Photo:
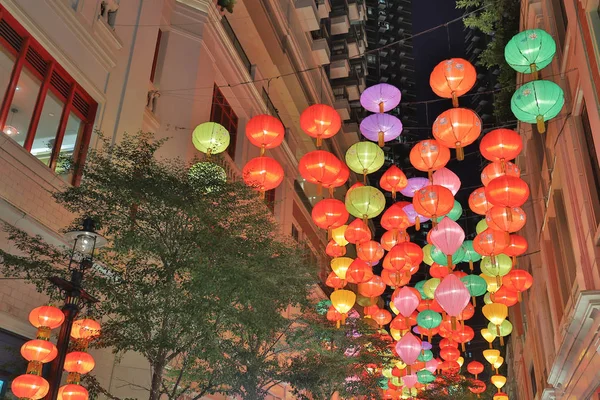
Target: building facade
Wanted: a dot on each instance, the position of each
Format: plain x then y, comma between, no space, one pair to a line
554,349
72,68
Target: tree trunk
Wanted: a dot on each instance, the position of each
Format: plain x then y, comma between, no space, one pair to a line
156,381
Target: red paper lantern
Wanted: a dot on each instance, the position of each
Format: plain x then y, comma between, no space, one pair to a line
333,315
490,242
478,202
382,317
72,392
340,180
475,367
453,78
320,121
496,169
265,131
329,214
335,250
449,353
393,180
438,271
357,232
429,155
478,386
47,317
29,386
39,350
457,128
85,329
433,201
370,251
518,280
389,239
395,218
507,191
505,296
335,281
501,145
506,219
320,167
79,362
395,278
372,288
359,272
262,174
517,246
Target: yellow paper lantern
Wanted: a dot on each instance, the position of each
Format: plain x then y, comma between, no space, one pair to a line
339,235
210,138
495,312
393,308
488,336
499,362
396,334
339,266
491,355
343,301
481,226
497,266
506,329
430,286
365,202
427,254
460,361
492,283
499,381
500,396
365,158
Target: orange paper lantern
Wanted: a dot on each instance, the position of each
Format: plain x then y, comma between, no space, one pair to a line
29,386
393,180
79,362
320,121
496,169
433,201
262,174
329,214
453,78
457,128
429,155
320,167
501,145
478,202
265,131
372,288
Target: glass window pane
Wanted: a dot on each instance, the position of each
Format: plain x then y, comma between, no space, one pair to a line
69,144
7,62
22,106
47,128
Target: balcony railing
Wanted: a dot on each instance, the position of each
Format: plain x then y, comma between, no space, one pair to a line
236,44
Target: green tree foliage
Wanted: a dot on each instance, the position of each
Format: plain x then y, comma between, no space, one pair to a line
197,278
500,20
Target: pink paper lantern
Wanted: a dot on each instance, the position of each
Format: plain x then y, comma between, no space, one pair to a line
406,301
410,380
381,128
432,365
448,179
452,295
380,98
409,348
447,236
413,185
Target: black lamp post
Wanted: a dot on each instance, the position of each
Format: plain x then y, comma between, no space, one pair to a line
85,241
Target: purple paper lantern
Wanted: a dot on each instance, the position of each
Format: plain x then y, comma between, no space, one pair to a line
426,345
381,128
412,214
414,184
380,98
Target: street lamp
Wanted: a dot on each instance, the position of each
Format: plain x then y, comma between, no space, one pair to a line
85,242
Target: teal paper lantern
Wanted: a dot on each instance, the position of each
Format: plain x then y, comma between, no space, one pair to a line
536,102
475,284
429,319
425,376
470,254
419,287
530,51
442,259
454,214
426,355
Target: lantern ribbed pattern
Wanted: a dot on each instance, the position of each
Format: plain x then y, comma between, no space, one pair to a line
497,169
262,173
364,158
79,362
537,102
452,78
39,350
529,51
320,121
29,386
320,167
85,329
433,201
46,316
429,155
380,98
393,180
329,213
265,131
343,300
501,145
381,128
457,128
357,232
210,138
365,202
507,191
72,392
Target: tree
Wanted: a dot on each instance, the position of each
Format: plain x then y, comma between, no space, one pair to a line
196,278
500,20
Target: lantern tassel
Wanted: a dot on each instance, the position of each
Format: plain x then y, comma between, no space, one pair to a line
393,194
541,127
502,165
343,319
534,71
381,107
331,192
208,153
453,323
338,324
519,297
460,153
380,139
498,281
463,346
514,260
262,194
262,150
329,234
430,176
417,223
509,216
319,141
471,265
491,347
365,176
365,219
429,337
449,260
454,100
319,189
474,301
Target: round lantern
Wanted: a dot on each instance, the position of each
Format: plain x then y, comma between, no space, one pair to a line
339,266
343,301
457,128
518,280
507,191
501,145
536,102
265,131
370,251
529,51
365,202
490,243
380,98
29,386
79,362
340,180
448,179
429,155
393,180
413,185
516,247
430,286
478,387
320,121
46,316
453,78
396,220
501,396
320,167
39,350
329,214
72,392
425,377
505,295
475,368
358,232
433,201
364,158
496,169
470,254
476,285
449,353
506,219
506,329
262,174
478,203
372,288
497,266
335,250
382,317
210,138
389,239
381,128
85,329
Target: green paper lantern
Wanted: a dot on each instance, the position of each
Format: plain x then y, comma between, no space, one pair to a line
210,138
395,380
487,299
506,329
387,372
536,102
500,266
427,254
429,319
425,377
481,226
383,383
365,158
426,355
476,285
470,254
442,259
365,202
530,51
454,214
430,286
419,286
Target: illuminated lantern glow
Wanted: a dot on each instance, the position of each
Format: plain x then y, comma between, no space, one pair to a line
335,281
406,301
401,323
499,381
449,354
320,121
470,254
448,179
394,278
452,78
382,317
72,392
85,329
395,218
430,286
478,203
491,355
320,168
340,180
339,266
358,232
439,257
464,335
373,287
490,243
475,368
457,128
393,180
380,98
413,217
38,350
438,271
412,251
433,201
46,316
529,51
536,102
496,313
389,240
335,250
448,236
381,128
501,145
210,138
338,235
506,219
506,329
263,174
497,266
29,386
413,185
517,246
476,285
428,156
425,376
500,396
333,315
343,301
408,348
265,131
453,296
364,158
370,251
478,386
79,362
329,214
496,169
365,202
359,272
488,336
518,280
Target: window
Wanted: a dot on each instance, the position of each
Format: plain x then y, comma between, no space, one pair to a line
155,59
533,382
560,17
43,109
295,233
222,113
270,199
594,177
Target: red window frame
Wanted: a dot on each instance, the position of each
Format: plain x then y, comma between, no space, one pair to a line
155,59
270,199
31,55
222,113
